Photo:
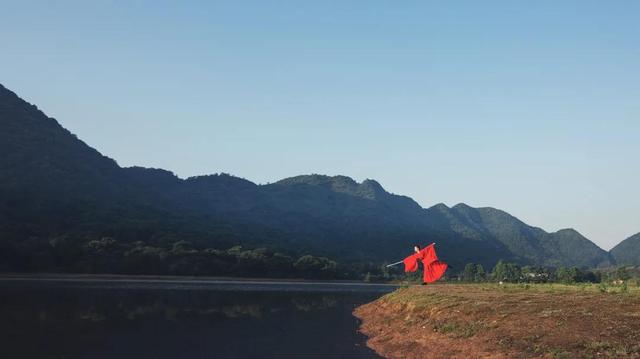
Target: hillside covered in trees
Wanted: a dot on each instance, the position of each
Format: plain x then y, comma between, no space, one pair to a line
66,207
627,252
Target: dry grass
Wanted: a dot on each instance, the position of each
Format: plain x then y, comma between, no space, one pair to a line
491,320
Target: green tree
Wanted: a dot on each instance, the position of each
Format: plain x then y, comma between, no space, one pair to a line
384,271
569,275
315,267
469,274
562,275
481,275
506,272
622,273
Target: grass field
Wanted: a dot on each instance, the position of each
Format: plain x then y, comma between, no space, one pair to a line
505,321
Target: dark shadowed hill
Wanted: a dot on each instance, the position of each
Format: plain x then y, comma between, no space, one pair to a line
61,199
628,251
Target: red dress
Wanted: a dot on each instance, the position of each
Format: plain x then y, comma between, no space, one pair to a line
433,268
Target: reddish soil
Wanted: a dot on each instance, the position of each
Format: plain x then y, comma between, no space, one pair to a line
492,321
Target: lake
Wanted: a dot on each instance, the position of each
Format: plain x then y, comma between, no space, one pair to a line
73,317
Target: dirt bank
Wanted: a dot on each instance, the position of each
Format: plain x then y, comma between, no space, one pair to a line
493,321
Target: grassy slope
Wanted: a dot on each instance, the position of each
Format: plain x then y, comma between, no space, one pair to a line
487,320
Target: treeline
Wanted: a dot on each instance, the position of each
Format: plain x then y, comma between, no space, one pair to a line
107,255
513,273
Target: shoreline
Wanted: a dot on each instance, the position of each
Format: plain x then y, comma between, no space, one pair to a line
189,282
493,321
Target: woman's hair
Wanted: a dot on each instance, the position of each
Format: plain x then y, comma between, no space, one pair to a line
416,246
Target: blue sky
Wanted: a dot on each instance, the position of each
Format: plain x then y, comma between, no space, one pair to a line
531,107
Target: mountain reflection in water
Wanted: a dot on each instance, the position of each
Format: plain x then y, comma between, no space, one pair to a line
75,321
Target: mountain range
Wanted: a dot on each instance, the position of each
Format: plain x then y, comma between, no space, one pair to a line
53,185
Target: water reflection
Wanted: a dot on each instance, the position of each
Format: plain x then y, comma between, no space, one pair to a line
80,322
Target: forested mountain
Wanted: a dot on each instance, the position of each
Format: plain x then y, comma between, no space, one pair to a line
628,251
529,244
64,206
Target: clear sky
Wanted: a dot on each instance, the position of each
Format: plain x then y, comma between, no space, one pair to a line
531,107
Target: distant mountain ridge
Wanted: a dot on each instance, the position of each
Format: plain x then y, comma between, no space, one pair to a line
627,252
52,184
532,244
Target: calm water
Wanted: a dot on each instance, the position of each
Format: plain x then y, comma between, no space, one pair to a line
93,318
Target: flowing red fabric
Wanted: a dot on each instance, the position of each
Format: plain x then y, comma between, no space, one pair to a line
411,263
434,271
433,268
